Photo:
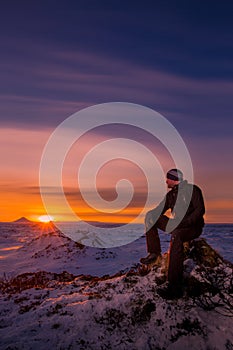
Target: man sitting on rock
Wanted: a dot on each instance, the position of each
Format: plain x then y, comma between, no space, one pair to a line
187,207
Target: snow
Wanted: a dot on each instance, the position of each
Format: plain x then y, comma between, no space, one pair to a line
45,248
43,307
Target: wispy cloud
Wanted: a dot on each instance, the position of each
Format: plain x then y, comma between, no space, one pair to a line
176,60
64,81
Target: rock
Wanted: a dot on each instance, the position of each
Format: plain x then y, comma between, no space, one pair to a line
204,254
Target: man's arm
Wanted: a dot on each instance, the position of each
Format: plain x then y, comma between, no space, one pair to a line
198,209
153,215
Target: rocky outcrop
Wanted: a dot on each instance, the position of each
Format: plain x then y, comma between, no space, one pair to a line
124,311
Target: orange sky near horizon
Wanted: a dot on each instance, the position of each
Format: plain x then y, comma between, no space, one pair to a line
21,152
20,193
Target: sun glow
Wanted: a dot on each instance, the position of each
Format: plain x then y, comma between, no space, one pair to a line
45,218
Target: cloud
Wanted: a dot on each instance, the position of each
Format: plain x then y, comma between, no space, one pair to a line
65,81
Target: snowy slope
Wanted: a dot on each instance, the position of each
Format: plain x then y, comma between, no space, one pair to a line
50,298
47,310
43,247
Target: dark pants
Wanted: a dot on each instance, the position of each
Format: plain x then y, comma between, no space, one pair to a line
178,236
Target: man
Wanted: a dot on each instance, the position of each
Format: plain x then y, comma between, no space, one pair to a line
187,207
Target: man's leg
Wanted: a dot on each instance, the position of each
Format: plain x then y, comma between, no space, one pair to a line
175,269
152,238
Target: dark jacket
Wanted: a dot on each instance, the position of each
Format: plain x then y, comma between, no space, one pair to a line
186,203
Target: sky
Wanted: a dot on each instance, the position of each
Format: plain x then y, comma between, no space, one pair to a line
58,57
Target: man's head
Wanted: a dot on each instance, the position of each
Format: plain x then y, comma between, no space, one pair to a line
174,177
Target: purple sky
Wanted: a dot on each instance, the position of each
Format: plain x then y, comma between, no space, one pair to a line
176,57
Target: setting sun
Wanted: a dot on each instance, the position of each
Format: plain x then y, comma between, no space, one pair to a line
45,218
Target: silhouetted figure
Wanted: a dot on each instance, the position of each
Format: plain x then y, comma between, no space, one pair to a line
187,209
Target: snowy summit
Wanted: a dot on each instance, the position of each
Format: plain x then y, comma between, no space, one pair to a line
45,309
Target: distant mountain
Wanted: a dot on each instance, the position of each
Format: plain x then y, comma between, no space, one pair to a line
22,220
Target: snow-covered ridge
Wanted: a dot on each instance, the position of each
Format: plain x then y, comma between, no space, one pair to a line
34,247
50,310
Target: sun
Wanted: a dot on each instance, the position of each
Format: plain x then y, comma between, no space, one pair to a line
45,218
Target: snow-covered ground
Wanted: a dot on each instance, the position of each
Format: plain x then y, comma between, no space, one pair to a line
34,247
43,307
